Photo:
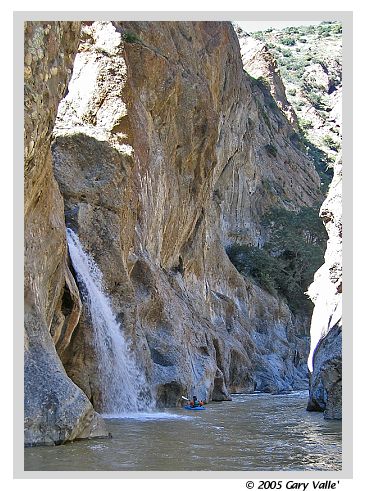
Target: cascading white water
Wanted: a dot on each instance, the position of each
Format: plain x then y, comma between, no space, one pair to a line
122,386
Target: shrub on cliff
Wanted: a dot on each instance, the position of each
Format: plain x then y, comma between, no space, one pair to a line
315,99
333,145
288,41
257,263
305,124
292,254
298,240
130,37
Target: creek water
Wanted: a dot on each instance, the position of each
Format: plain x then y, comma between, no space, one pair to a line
253,432
121,385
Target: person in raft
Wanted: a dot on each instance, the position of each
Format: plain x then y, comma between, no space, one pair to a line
195,402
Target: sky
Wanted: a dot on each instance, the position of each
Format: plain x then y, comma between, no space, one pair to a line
254,25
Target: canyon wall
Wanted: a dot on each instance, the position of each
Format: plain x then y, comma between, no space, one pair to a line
162,155
310,66
309,63
165,153
55,409
259,62
325,360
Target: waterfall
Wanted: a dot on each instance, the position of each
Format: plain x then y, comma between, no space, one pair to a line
122,386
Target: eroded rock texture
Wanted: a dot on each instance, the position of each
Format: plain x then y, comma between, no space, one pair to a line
55,410
260,64
166,152
309,62
325,360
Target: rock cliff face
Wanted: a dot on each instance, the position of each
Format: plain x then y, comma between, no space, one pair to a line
325,360
165,152
162,156
258,62
55,410
309,59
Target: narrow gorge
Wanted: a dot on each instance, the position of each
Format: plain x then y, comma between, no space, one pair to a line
171,228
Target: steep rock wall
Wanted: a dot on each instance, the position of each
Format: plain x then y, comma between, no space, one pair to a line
55,409
309,59
162,156
325,359
260,63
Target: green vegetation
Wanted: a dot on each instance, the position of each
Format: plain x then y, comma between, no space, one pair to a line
326,29
315,99
130,37
333,145
287,53
305,124
288,261
337,29
257,263
258,35
287,41
321,162
295,49
286,46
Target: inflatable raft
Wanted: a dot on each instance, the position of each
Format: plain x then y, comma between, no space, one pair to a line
197,408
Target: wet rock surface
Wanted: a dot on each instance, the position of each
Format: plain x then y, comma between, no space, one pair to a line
56,410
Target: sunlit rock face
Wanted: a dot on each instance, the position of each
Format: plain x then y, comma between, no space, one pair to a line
161,152
260,64
56,410
325,359
308,62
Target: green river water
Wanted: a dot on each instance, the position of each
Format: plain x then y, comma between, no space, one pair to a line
253,432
